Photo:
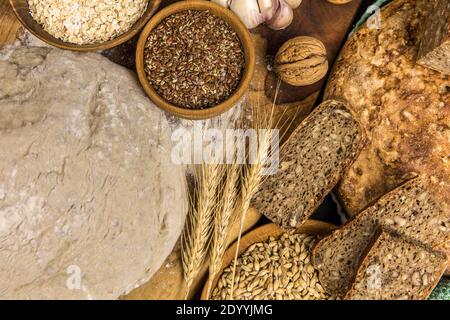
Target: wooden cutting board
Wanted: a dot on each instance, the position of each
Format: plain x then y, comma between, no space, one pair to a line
168,283
9,25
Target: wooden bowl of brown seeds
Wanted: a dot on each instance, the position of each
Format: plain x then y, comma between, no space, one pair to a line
195,59
272,265
48,11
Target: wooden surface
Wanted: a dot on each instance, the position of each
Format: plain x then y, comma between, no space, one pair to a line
168,282
9,25
22,11
330,23
261,234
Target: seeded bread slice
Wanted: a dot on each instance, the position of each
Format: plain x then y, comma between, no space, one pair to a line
395,269
434,43
313,160
410,210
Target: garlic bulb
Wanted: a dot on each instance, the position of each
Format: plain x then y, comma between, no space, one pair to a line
268,8
278,14
282,18
248,11
294,4
223,3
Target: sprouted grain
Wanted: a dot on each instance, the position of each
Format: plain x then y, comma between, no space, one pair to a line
194,59
277,269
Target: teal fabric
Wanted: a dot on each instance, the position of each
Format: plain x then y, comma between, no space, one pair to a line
370,11
442,291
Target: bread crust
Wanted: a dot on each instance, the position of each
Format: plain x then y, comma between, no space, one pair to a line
404,107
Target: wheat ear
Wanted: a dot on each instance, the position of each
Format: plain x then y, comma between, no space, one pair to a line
224,219
252,178
197,233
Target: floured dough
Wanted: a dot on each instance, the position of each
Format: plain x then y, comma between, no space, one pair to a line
87,185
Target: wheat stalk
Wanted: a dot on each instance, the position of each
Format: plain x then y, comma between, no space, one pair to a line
197,236
197,233
224,220
252,178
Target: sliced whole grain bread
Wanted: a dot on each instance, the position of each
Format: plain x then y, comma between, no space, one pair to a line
313,160
395,269
411,210
434,39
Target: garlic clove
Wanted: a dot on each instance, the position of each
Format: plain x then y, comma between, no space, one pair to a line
248,11
282,18
268,8
223,3
294,4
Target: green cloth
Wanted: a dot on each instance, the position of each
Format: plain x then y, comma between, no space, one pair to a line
442,291
370,11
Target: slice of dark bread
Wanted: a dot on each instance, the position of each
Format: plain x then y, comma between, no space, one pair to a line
313,160
411,210
434,38
395,269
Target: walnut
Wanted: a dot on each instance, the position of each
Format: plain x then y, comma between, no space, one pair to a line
301,61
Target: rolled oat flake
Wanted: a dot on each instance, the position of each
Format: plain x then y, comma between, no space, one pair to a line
87,21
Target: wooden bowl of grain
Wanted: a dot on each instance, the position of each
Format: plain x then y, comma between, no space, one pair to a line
262,234
246,46
23,13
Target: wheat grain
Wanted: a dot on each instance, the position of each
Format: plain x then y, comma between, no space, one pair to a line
282,278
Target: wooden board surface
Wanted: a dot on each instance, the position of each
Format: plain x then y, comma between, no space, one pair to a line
320,19
9,25
168,283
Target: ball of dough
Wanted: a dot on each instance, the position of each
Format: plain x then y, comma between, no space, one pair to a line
90,201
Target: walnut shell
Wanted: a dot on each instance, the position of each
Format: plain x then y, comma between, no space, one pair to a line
301,61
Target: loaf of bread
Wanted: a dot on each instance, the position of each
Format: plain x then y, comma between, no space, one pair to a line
404,107
312,162
410,210
395,269
434,40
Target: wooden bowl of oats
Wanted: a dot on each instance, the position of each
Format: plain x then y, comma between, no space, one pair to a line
195,59
255,250
67,25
